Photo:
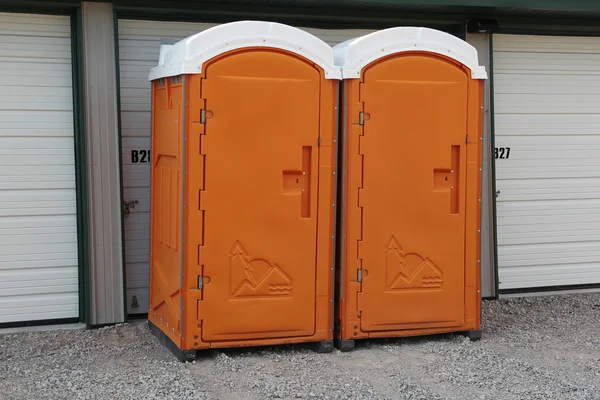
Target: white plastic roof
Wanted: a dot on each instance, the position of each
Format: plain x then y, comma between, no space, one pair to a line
355,54
189,55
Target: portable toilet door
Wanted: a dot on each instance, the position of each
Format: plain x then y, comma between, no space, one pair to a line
243,183
411,156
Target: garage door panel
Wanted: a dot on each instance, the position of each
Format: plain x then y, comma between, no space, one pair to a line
137,234
552,142
38,224
19,124
34,182
531,44
40,262
581,224
41,51
40,249
542,63
558,275
535,154
547,97
48,280
30,209
514,238
22,24
139,279
136,150
136,71
65,170
27,102
51,144
38,307
37,230
40,160
566,219
136,123
136,103
142,50
546,169
544,104
136,179
553,264
540,194
569,127
137,221
138,254
555,253
545,84
133,142
49,70
508,209
558,187
156,30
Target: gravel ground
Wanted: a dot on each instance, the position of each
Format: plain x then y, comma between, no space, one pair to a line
532,348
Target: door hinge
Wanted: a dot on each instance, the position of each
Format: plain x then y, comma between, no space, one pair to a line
319,142
203,280
359,275
363,117
467,139
204,115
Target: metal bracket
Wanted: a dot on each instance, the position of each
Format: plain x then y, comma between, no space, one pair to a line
129,204
201,281
363,117
359,275
204,115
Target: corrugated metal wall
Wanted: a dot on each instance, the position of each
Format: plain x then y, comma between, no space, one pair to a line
481,41
104,173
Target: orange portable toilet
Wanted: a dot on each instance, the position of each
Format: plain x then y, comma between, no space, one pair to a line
411,157
244,124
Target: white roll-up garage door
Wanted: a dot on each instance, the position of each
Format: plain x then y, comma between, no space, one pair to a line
547,130
139,45
38,224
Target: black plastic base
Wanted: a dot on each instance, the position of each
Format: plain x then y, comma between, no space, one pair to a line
473,335
181,355
344,344
324,347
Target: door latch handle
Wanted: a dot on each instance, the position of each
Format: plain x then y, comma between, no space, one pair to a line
129,204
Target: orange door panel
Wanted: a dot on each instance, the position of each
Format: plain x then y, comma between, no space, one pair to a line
412,250
166,203
260,196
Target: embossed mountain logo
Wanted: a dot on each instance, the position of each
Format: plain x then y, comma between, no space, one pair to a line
410,270
256,277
